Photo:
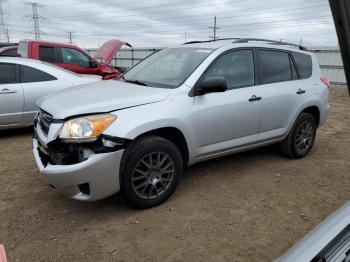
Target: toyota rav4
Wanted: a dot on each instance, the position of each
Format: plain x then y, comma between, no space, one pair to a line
178,107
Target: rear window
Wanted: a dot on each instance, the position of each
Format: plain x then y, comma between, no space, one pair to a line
30,75
274,66
304,64
47,54
22,49
7,73
11,52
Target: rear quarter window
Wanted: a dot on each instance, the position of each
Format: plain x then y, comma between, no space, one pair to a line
304,64
29,75
11,52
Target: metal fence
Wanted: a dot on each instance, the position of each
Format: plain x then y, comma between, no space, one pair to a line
329,58
331,63
128,57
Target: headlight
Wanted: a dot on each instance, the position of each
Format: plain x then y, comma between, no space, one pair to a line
86,128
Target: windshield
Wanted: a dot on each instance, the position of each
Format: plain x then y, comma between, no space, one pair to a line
168,68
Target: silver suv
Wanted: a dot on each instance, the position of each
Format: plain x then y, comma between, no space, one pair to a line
176,108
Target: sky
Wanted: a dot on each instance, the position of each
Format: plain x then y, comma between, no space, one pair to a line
155,23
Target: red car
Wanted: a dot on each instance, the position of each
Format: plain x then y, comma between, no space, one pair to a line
8,51
73,58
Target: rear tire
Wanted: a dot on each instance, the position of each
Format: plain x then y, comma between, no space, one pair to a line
151,171
301,137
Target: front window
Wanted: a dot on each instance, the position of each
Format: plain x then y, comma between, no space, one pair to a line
75,57
236,67
168,68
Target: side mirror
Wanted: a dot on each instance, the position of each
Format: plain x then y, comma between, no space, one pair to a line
213,85
93,64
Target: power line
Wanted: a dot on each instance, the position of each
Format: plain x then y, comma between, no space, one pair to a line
175,11
192,25
35,17
200,19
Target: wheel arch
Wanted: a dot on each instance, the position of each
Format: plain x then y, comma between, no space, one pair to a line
314,111
172,134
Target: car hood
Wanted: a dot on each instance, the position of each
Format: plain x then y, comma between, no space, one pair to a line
99,97
108,50
84,79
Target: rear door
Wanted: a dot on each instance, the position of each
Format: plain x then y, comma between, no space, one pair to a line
281,92
11,95
36,84
48,54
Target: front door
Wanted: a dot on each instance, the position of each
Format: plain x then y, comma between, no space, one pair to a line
228,120
78,62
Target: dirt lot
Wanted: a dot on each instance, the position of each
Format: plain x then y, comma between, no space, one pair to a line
247,207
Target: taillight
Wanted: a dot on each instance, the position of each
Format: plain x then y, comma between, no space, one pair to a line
325,81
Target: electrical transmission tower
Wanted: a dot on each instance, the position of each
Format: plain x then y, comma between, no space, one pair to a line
70,37
4,33
35,17
215,28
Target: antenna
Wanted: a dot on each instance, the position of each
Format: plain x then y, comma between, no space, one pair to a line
35,17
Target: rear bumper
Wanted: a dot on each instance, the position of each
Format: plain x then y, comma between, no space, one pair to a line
324,114
100,172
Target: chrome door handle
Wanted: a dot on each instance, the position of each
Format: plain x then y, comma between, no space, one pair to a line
7,91
300,91
254,98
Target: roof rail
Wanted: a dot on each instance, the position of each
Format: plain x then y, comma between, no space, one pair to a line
212,40
246,40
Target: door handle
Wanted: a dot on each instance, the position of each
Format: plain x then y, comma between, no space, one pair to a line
301,91
7,91
254,98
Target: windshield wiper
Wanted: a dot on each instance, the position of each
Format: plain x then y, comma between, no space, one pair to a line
137,82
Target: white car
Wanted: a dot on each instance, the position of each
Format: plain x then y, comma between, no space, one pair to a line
24,81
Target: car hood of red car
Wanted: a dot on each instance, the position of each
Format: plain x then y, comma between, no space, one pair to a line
108,50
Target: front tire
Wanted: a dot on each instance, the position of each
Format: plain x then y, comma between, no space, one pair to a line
301,138
151,171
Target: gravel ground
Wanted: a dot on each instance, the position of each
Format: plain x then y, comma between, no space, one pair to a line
250,206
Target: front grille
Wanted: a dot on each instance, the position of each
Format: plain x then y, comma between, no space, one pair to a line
44,120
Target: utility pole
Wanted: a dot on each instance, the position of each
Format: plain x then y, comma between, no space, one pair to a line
7,35
185,37
2,21
70,33
214,37
35,17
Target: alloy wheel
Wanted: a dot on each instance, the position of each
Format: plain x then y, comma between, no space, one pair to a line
152,175
304,137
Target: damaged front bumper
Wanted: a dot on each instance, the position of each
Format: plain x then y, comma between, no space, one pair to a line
86,172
